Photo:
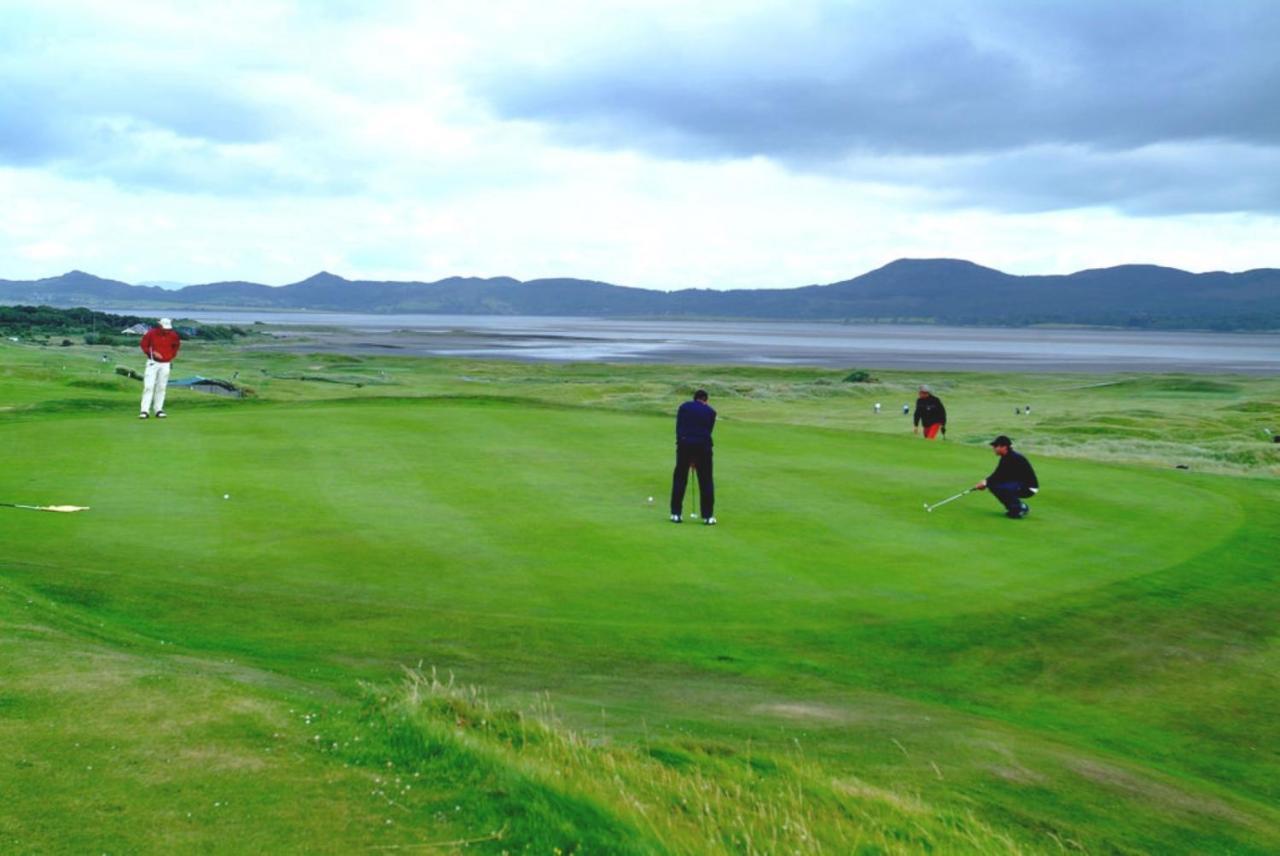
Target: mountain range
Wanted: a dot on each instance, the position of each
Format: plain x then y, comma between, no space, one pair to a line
942,291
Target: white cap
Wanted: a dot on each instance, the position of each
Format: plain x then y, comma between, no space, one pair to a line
166,323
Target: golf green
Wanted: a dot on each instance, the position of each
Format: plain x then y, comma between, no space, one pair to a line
1100,672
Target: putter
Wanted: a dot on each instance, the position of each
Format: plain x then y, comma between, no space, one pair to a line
928,507
63,508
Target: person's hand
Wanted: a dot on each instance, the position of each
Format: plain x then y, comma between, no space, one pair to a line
915,430
982,485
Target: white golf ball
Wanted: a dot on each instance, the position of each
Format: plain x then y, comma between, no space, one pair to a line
651,499
226,496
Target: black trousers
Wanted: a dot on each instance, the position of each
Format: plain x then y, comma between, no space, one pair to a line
699,457
1010,494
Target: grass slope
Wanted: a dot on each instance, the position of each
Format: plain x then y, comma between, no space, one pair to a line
830,669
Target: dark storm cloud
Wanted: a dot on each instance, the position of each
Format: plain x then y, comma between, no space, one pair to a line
835,86
1154,180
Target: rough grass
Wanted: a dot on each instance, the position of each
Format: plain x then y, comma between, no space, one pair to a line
1210,423
548,788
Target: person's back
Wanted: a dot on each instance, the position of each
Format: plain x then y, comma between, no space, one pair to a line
1014,467
694,422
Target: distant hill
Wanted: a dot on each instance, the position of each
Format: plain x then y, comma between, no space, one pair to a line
165,284
943,291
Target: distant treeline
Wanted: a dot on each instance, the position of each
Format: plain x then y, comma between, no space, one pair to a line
96,328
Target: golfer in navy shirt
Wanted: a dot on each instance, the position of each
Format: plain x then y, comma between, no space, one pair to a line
694,422
1013,479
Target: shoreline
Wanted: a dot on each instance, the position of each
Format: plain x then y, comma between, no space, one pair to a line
574,346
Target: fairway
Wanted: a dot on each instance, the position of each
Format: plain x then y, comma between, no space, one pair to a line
1100,674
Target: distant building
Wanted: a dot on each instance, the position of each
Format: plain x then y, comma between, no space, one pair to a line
136,329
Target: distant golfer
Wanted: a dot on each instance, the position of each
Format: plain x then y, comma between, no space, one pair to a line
694,421
161,345
1013,479
930,413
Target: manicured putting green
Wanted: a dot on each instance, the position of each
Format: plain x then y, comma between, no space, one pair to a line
538,516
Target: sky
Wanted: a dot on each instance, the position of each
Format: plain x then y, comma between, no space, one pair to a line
658,144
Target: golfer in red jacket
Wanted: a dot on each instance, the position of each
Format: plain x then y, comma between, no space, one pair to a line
161,345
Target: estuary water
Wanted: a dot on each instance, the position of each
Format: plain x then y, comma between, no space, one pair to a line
765,342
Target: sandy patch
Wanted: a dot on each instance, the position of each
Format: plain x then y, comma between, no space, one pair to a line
805,712
1118,779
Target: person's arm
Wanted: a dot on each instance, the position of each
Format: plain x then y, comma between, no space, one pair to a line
996,475
942,414
982,483
145,343
177,344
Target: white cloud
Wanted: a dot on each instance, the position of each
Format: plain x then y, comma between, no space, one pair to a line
265,140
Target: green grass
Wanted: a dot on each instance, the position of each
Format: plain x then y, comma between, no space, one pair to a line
831,670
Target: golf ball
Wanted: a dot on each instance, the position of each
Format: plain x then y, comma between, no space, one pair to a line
226,496
651,499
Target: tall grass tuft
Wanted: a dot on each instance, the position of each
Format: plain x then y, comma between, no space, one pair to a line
543,782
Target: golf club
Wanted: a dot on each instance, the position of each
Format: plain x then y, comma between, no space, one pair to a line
694,509
63,508
928,507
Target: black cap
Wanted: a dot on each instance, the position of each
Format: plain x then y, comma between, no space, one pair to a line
1001,441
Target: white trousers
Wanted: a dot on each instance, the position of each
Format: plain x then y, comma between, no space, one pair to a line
154,382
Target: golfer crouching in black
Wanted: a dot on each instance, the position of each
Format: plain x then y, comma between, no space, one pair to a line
1013,479
694,421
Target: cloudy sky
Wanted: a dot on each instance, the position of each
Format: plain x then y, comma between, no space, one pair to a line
643,142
